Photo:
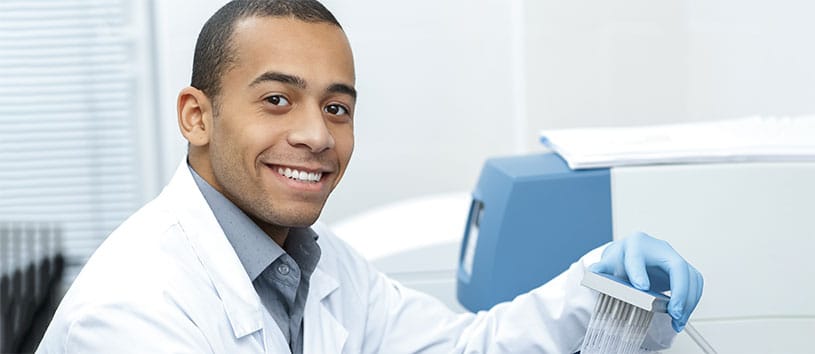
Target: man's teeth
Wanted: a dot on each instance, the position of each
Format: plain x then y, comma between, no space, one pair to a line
300,175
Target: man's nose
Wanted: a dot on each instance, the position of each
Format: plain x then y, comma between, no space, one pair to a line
310,130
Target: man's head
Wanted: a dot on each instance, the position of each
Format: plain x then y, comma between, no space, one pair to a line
272,93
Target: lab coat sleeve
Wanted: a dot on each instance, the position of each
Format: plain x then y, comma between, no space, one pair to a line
120,328
549,319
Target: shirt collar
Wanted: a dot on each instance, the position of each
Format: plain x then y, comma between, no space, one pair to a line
301,244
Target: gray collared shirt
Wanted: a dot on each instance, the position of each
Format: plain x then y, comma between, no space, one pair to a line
280,275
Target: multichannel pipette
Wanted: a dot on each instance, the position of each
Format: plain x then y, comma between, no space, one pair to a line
622,315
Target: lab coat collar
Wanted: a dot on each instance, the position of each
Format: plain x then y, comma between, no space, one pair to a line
241,302
323,332
322,283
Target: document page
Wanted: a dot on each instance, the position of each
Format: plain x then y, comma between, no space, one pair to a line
743,139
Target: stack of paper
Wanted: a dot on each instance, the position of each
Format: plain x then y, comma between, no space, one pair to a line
744,139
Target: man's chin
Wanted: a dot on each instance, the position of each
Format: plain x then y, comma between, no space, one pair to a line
303,224
299,220
291,219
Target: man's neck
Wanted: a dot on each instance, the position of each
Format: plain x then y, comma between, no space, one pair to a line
276,232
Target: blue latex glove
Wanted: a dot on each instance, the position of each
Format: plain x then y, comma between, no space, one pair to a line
649,263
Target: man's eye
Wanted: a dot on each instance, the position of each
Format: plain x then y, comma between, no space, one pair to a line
335,109
277,100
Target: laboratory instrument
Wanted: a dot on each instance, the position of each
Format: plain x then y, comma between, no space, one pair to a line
742,224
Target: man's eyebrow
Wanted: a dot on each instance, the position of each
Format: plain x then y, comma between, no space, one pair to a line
298,82
280,77
343,88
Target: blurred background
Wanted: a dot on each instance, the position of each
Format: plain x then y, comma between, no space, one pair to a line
88,89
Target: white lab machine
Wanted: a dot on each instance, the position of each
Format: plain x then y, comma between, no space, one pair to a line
748,228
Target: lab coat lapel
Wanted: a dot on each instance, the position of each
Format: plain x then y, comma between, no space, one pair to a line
273,339
240,301
323,333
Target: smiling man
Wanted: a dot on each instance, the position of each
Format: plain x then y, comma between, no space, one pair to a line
229,257
277,133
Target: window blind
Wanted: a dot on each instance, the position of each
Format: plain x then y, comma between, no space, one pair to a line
68,118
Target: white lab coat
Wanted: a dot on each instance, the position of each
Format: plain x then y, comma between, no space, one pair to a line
167,280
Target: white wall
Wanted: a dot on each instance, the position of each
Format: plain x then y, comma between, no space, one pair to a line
442,82
596,63
748,57
177,23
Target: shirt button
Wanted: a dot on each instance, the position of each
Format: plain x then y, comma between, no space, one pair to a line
283,269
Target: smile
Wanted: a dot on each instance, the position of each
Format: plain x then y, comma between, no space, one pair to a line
302,176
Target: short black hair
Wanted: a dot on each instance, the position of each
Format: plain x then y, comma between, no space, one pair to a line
214,53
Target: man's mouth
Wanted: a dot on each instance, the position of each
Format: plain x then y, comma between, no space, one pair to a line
299,175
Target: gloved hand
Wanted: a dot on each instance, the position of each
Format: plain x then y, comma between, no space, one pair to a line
649,263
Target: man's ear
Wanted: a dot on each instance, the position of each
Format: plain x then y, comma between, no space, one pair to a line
194,116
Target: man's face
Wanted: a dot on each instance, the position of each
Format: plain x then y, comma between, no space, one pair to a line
283,134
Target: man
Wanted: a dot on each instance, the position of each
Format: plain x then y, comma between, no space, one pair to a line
228,259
